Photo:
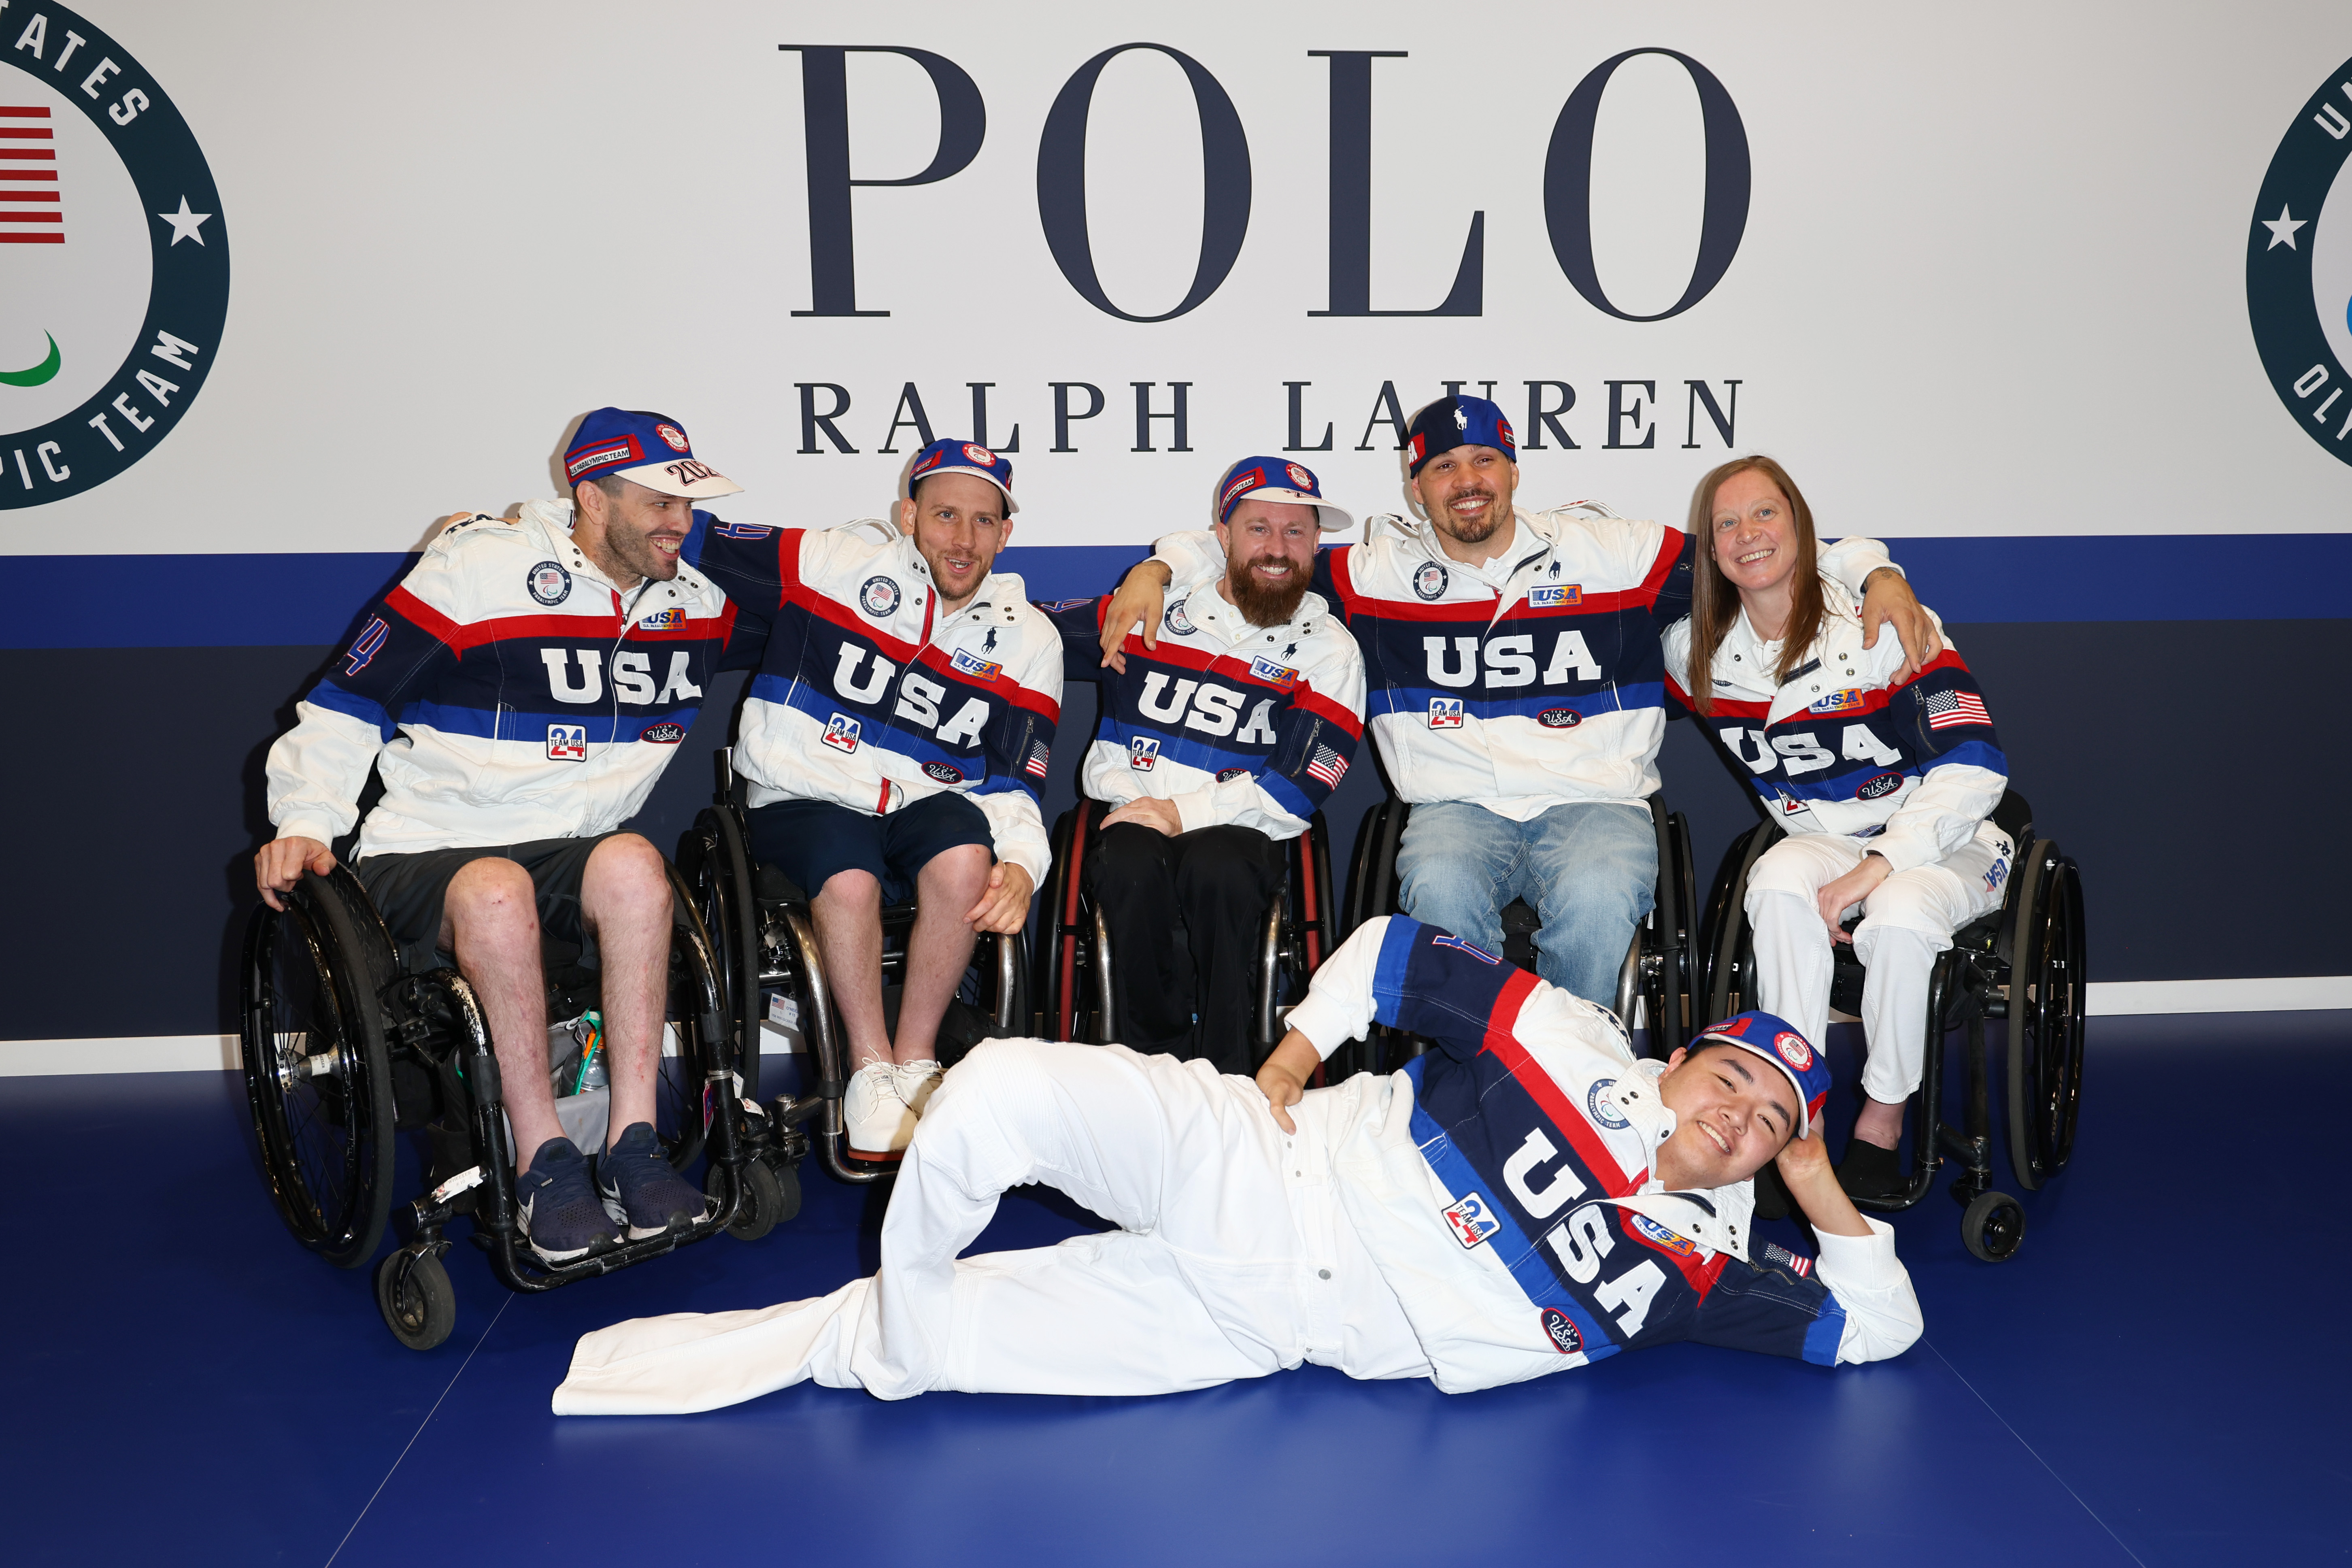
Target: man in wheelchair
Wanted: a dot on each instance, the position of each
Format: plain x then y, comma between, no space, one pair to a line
517,694
1216,747
895,738
1524,1199
1513,662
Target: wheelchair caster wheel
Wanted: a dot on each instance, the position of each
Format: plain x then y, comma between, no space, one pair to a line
1993,1227
768,1199
418,1303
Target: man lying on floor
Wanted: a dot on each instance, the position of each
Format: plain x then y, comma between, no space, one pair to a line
1527,1197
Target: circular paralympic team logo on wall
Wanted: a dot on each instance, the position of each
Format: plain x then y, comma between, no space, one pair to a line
113,258
2299,267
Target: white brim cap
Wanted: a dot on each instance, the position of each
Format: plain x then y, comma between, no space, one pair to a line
683,477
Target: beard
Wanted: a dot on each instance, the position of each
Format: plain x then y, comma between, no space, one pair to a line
1262,606
1471,532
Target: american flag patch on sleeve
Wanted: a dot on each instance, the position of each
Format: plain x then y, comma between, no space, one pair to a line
1328,766
1779,1256
1038,757
1946,709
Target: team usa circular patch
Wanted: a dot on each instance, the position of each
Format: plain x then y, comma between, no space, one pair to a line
979,454
1429,580
548,582
1605,1110
1301,478
117,282
879,595
1793,1050
674,436
2299,267
1177,621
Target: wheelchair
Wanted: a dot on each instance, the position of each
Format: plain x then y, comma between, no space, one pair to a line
1660,971
343,1050
764,942
1074,961
2021,965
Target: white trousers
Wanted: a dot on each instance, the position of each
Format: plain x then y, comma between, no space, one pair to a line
1232,1258
1906,920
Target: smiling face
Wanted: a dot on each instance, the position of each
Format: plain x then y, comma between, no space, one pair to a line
1755,533
632,534
1733,1111
1269,556
959,525
1467,492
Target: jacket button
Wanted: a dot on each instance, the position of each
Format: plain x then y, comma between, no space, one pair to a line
1322,1274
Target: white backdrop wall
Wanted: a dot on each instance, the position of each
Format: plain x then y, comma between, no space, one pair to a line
1992,280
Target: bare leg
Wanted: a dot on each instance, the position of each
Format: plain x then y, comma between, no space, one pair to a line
624,900
939,949
489,919
848,915
1880,1123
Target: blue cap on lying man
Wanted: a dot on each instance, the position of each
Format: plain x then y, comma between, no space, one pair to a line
1277,480
1776,1042
1451,422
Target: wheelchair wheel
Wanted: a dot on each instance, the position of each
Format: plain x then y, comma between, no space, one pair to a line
685,1098
418,1303
716,865
1728,961
1993,1227
2046,999
317,1073
770,1198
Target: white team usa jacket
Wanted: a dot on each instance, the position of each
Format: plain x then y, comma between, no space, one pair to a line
1841,747
1534,682
1502,1184
506,690
865,694
1233,723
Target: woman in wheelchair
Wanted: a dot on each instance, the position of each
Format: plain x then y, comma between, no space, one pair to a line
1883,785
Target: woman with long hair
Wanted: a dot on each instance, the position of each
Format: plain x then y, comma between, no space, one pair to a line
1882,779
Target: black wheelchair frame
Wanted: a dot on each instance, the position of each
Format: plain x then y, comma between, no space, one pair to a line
765,940
2023,966
1659,970
412,1051
1074,961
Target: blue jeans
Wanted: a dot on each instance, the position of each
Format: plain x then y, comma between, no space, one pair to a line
1589,871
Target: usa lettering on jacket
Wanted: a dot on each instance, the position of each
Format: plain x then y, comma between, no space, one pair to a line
865,694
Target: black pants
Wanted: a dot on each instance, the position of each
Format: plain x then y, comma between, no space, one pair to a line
1186,917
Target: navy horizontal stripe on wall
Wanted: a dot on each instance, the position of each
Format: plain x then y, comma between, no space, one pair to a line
309,600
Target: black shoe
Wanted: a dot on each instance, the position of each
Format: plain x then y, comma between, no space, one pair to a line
641,1191
1771,1197
561,1216
1870,1171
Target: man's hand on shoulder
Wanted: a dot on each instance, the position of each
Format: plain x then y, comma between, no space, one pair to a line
1159,816
1003,906
279,864
1887,597
1136,605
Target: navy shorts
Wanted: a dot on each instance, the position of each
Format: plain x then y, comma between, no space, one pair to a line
810,840
408,892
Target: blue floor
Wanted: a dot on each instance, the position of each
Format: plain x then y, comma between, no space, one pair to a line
2140,1385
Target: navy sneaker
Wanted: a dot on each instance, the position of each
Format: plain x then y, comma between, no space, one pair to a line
561,1216
641,1191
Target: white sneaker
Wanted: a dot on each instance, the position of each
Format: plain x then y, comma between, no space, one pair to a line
916,1081
876,1121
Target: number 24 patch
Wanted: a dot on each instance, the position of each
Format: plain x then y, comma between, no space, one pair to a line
1472,1221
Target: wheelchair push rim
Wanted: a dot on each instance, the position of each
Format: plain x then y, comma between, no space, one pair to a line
2046,1007
317,1073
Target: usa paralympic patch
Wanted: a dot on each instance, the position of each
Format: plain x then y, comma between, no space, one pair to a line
1603,1108
878,597
1793,1050
548,582
1177,621
1429,580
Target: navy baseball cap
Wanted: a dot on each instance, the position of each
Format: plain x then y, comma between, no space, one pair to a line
1451,422
1277,480
647,449
952,456
1776,1042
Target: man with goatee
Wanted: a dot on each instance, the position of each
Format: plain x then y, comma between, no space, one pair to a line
1216,746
